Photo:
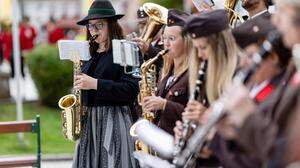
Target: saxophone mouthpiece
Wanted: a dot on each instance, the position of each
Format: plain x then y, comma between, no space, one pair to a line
94,37
163,52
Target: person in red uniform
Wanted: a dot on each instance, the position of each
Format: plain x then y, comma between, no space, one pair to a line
55,32
7,41
27,35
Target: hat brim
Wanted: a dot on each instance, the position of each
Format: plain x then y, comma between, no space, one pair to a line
85,20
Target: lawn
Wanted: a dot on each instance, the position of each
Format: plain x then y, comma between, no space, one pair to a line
53,141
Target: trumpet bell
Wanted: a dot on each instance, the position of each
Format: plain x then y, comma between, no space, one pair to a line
158,16
156,12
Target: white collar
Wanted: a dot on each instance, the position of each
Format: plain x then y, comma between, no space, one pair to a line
258,88
259,13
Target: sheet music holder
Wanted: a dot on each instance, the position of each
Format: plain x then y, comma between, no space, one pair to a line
125,53
74,50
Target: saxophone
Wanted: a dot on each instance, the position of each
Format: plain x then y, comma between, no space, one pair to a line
71,106
147,88
72,110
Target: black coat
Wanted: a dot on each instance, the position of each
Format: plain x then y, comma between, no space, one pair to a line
115,88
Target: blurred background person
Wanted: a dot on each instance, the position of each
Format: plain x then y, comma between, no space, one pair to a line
55,31
256,7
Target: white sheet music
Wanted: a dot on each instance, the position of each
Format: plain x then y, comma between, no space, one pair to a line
117,56
73,50
199,6
125,53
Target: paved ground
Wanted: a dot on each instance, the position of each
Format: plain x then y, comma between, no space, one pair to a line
56,164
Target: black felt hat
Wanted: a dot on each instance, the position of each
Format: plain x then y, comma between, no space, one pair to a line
177,17
100,9
253,31
207,23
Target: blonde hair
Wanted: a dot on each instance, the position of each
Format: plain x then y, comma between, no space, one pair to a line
222,63
168,64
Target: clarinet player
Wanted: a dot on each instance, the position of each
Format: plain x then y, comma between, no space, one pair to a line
215,44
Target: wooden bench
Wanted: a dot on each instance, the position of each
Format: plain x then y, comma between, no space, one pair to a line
32,126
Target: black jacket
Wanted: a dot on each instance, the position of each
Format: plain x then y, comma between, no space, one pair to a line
114,86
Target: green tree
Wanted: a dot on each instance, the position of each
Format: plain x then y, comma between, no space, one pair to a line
53,77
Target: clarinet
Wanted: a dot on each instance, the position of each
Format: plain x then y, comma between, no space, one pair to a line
186,124
196,142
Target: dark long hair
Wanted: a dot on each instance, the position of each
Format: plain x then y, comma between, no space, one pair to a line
115,31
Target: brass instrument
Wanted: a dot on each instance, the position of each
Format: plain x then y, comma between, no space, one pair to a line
71,106
230,5
147,88
158,16
234,16
72,110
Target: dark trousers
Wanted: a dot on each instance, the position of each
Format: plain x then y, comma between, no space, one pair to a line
1,56
12,65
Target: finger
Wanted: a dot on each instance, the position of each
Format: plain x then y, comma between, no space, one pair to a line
194,102
77,82
147,98
178,122
190,118
147,103
178,135
189,108
77,77
78,86
177,131
188,114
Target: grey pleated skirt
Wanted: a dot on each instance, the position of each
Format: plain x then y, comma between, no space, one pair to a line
105,141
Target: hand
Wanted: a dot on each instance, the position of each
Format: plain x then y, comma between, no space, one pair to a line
177,131
85,82
193,111
142,44
153,103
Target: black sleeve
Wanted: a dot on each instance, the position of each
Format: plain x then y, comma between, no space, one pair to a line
123,90
230,155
